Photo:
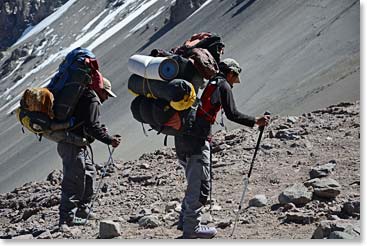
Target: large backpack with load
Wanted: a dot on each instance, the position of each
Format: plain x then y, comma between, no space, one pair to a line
78,71
162,83
47,112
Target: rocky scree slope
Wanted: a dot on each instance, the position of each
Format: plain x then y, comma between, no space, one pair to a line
305,184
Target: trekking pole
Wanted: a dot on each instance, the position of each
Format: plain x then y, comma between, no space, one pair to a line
110,161
246,178
211,178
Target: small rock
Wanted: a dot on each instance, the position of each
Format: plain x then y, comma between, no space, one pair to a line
55,177
351,208
149,221
109,229
144,166
266,146
297,194
323,170
324,187
348,134
300,218
326,227
171,216
28,212
45,235
333,217
157,209
173,205
292,119
125,172
224,223
289,206
140,178
287,134
146,211
230,137
21,237
216,207
340,235
206,218
258,201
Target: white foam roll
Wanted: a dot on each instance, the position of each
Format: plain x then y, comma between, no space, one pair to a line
157,68
145,66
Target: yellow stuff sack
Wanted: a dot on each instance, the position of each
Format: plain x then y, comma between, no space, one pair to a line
35,122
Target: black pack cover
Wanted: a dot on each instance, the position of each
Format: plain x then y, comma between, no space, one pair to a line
157,112
174,90
150,111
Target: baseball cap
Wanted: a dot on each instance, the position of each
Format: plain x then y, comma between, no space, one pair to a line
233,65
107,87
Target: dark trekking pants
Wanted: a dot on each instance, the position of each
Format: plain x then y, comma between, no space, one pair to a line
194,155
78,179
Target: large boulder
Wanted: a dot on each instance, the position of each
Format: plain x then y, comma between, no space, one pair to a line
324,187
297,194
183,9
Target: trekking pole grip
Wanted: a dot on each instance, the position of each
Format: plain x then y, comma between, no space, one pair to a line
261,128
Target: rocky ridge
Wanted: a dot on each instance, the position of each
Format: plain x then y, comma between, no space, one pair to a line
305,184
16,16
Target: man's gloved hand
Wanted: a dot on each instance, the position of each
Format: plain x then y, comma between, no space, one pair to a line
263,120
104,128
116,140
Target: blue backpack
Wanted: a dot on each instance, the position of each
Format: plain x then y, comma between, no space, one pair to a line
74,75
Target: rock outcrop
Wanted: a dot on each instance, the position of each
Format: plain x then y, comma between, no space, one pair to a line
183,9
17,15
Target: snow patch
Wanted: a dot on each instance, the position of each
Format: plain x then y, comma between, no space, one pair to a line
49,31
117,27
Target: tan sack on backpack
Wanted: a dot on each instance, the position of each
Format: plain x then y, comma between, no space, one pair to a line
38,100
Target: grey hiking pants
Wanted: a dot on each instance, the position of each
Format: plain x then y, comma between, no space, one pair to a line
78,179
196,164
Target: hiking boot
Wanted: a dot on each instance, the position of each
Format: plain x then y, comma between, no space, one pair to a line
64,225
64,228
83,213
201,231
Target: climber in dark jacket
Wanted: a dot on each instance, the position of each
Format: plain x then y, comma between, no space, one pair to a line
78,170
193,150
